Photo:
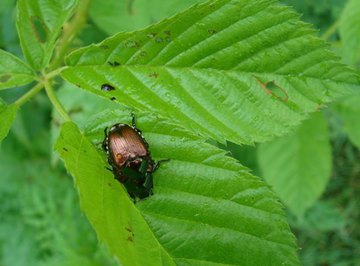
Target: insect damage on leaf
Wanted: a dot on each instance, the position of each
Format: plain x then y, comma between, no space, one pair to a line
39,29
273,89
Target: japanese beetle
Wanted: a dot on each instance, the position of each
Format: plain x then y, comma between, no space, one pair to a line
129,156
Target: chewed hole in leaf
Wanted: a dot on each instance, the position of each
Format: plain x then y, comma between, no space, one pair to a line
153,75
273,89
107,87
132,44
114,63
39,29
159,39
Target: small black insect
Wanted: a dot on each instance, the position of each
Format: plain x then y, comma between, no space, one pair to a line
129,156
107,87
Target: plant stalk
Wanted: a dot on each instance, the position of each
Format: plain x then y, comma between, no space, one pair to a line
55,102
32,92
331,30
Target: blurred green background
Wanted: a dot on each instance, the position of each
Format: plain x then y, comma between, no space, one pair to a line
41,221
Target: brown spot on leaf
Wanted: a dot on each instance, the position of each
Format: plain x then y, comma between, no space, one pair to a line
132,44
131,234
5,78
39,29
319,107
273,89
212,31
153,75
130,7
151,35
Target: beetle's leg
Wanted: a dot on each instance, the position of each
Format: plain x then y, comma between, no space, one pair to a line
133,121
104,143
144,165
108,168
148,183
157,164
133,124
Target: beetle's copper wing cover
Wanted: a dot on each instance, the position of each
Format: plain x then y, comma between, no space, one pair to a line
124,144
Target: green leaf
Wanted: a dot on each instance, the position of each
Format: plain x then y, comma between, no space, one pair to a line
349,110
13,71
206,208
39,23
244,71
298,166
113,16
350,31
110,211
9,40
7,116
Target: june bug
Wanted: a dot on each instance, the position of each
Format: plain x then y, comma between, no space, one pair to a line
129,156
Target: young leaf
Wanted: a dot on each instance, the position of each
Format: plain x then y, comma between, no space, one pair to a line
7,116
13,71
298,166
243,71
39,23
206,208
113,16
350,31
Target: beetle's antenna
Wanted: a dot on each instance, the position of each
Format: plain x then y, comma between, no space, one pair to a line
133,121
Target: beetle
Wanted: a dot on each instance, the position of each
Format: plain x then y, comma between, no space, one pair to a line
129,156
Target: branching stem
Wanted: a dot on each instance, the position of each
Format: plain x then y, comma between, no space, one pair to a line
31,93
45,79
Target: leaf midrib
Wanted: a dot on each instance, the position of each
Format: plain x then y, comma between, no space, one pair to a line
230,71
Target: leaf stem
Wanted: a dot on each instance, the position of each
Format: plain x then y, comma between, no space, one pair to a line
55,102
69,32
54,73
33,91
331,30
